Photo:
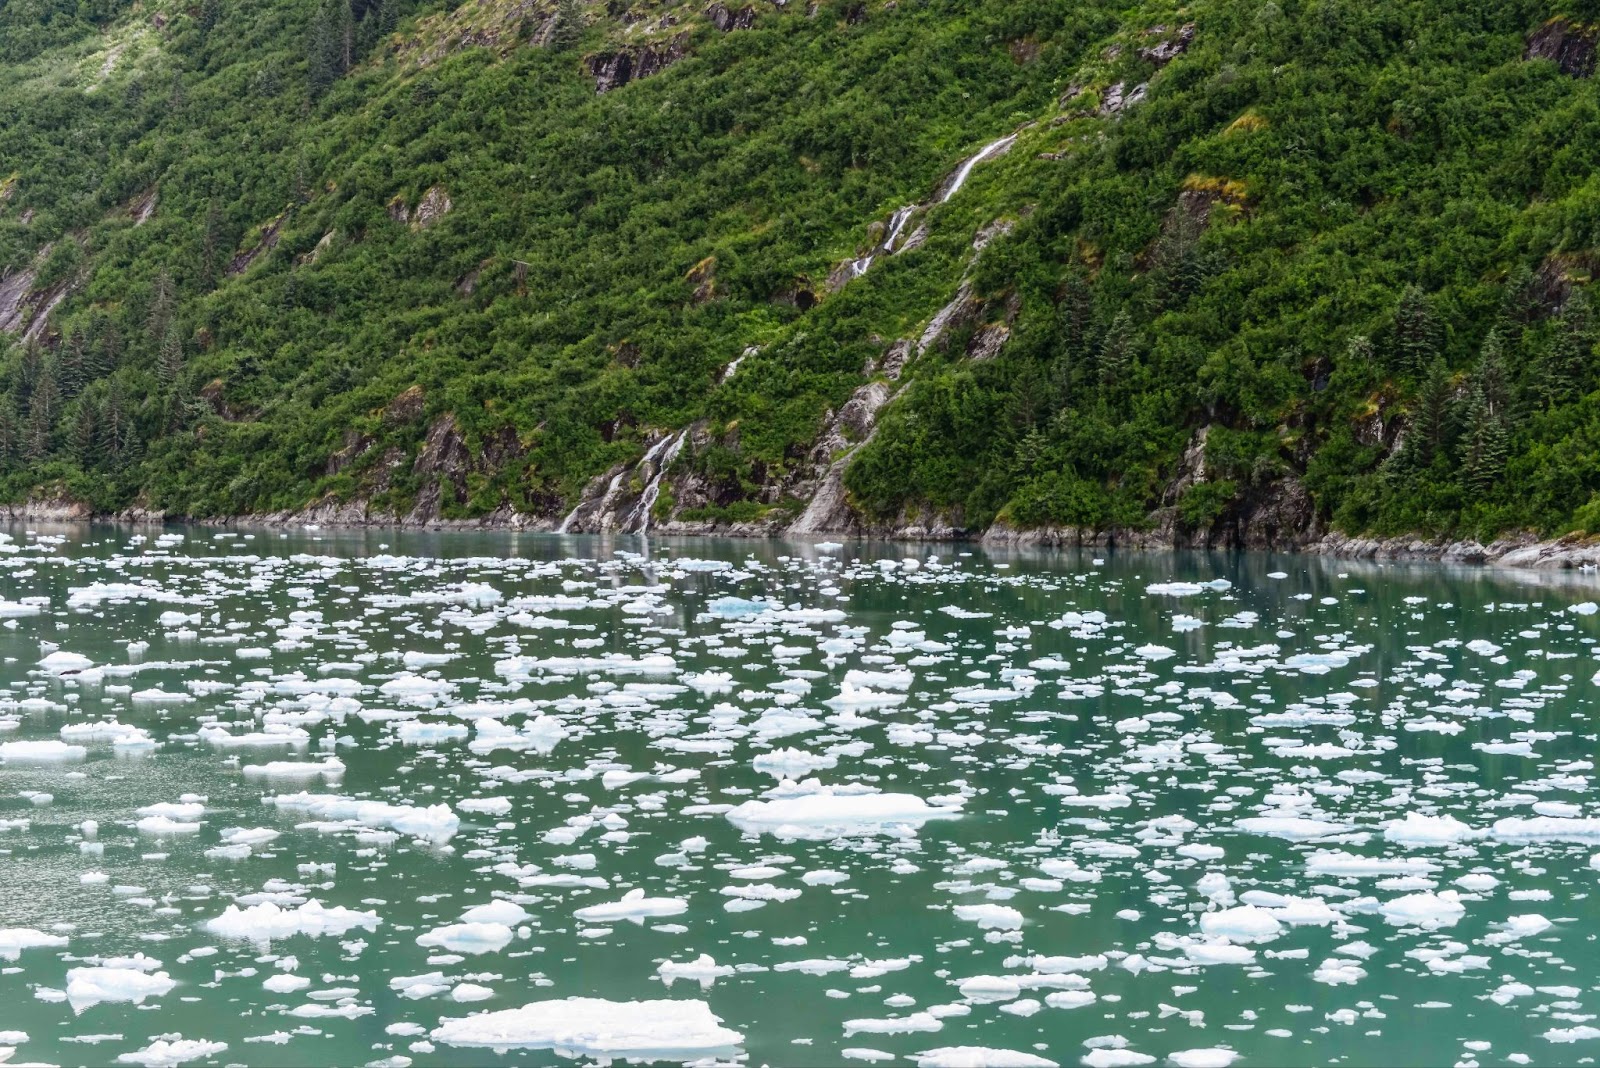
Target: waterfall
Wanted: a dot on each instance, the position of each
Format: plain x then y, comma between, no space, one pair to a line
611,492
728,371
897,222
991,150
661,454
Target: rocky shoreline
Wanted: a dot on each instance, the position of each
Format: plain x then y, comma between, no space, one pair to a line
1569,552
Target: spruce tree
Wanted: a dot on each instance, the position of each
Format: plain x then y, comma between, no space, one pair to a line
42,407
86,433
170,364
1416,332
74,363
163,303
1492,378
322,52
10,433
1430,422
116,429
213,245
569,27
1116,351
1483,445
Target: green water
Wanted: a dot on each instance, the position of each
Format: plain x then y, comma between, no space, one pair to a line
1082,760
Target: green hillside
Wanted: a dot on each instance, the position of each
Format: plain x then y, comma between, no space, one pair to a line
1231,271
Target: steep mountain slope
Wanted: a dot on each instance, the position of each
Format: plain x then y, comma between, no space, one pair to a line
1230,272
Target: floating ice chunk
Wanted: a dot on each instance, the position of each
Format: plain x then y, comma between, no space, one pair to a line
703,970
1341,863
864,697
91,986
981,1057
1419,830
330,768
40,752
1186,589
1215,1057
486,806
792,763
1564,1035
825,815
737,607
285,984
274,735
1427,910
1537,828
268,921
990,917
1218,953
1294,828
169,1053
1246,923
62,662
13,940
900,1025
468,937
504,912
162,825
1108,1057
600,1029
416,732
633,906
434,824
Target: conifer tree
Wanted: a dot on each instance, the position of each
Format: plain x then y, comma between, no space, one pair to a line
1416,332
170,364
10,433
116,429
1116,351
1483,445
42,412
1492,378
86,434
163,304
568,30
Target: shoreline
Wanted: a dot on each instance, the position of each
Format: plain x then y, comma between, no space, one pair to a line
1525,551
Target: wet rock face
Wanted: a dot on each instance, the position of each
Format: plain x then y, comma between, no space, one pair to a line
613,70
727,20
434,205
442,465
1168,44
267,242
1567,44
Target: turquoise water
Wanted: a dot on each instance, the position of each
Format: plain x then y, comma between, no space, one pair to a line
1068,810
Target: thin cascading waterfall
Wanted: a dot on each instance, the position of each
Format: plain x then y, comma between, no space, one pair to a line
662,455
988,152
897,223
606,498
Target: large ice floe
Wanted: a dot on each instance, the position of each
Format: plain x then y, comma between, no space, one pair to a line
314,797
594,1027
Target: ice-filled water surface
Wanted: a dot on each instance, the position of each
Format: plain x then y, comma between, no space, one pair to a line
364,797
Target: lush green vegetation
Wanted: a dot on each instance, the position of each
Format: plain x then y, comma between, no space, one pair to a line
1351,238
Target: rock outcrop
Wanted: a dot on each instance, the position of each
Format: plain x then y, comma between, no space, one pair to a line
729,19
613,70
1569,45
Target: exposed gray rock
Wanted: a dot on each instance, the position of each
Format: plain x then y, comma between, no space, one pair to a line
1569,45
434,205
613,70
